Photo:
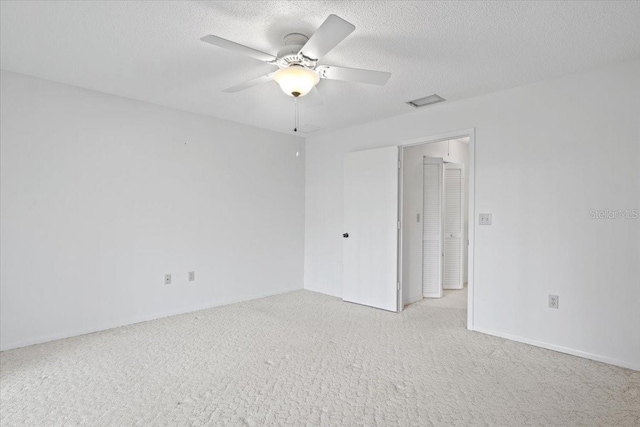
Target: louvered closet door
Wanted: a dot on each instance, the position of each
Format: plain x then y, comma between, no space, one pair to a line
453,226
432,228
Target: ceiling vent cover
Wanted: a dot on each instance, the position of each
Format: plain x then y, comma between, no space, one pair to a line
427,100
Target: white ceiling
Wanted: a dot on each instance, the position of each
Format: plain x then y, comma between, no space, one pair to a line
151,51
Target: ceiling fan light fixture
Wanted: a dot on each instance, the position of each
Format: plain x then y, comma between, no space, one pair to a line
296,80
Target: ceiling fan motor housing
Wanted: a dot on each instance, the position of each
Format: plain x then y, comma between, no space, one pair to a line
289,54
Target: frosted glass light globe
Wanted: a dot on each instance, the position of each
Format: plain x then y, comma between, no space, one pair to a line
296,80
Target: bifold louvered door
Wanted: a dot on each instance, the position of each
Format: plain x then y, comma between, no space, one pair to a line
453,226
432,228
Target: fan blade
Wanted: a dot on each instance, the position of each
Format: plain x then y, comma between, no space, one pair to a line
312,99
353,75
332,31
238,48
250,83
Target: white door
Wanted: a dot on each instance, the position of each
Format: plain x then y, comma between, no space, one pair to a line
453,226
432,252
370,239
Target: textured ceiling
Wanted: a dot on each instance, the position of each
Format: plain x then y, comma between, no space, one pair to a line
151,51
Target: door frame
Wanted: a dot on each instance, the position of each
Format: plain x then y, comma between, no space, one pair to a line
471,199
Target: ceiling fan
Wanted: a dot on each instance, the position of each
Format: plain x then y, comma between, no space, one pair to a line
297,61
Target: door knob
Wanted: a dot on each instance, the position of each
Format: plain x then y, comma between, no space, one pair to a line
345,235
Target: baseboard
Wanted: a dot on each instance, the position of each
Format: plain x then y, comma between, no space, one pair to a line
559,348
432,295
140,319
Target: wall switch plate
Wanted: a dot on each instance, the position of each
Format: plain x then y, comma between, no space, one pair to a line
167,279
485,219
192,276
554,301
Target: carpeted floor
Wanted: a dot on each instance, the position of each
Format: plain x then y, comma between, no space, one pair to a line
308,359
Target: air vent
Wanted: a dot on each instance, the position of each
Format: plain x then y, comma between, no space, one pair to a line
427,100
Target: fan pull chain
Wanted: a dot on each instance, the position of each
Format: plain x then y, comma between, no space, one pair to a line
296,114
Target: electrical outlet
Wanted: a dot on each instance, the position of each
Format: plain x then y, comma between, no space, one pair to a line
167,279
485,219
554,301
192,276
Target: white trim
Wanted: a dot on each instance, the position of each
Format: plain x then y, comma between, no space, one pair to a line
138,319
471,198
399,294
559,348
465,133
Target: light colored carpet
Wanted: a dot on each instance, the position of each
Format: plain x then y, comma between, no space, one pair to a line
308,359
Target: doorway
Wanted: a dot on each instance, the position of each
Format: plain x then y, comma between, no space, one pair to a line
383,237
437,211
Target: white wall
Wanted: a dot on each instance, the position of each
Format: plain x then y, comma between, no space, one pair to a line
454,151
545,155
101,196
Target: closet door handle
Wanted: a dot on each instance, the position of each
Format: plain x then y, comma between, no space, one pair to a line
345,235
